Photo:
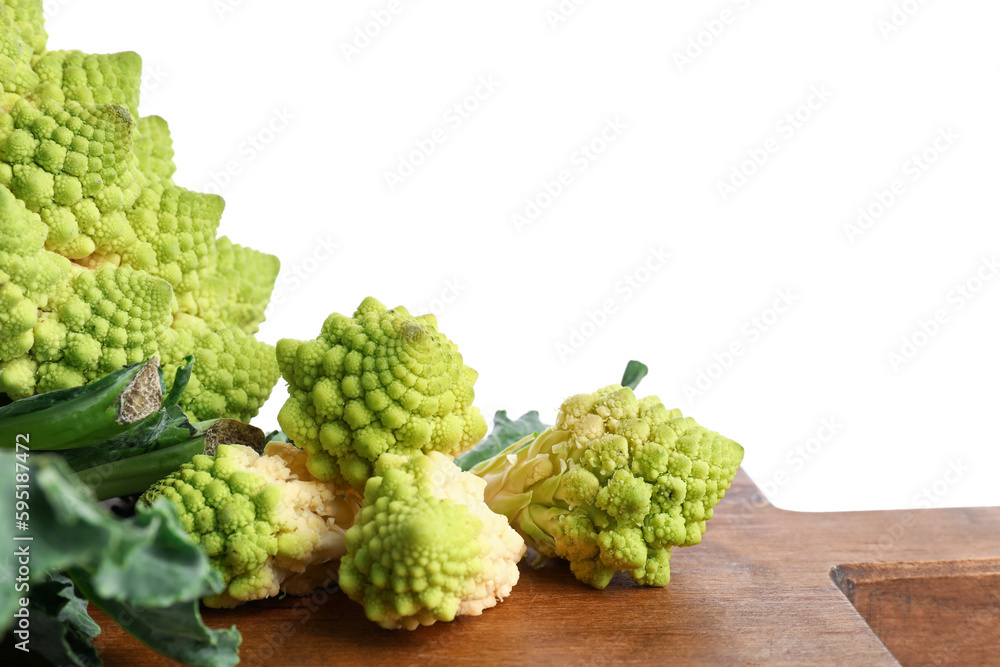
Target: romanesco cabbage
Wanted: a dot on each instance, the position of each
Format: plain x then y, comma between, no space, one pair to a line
380,381
102,257
425,547
268,526
613,485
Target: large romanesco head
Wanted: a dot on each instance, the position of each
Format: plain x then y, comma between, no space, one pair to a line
380,381
266,524
425,547
613,485
103,259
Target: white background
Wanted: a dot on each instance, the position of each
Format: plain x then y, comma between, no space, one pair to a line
918,431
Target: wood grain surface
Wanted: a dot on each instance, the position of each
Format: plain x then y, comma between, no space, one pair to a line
756,591
930,613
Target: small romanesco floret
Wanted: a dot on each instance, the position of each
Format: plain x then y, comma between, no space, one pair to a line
266,524
380,381
425,547
613,485
112,78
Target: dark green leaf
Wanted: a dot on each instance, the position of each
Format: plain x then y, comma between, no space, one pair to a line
61,630
148,560
176,631
505,432
634,372
156,563
116,417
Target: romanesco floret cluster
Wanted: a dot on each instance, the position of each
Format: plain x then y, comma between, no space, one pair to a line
15,54
380,381
125,258
238,288
92,79
29,17
64,325
73,165
154,148
613,485
266,524
229,379
425,547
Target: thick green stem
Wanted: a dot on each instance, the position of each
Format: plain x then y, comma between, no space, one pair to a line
120,433
126,471
76,417
159,430
138,473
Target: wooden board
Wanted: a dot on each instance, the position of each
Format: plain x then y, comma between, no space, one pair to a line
756,591
930,613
